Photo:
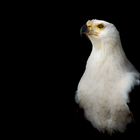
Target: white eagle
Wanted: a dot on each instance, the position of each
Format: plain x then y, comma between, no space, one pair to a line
103,91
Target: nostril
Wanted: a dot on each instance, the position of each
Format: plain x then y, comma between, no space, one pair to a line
89,26
89,23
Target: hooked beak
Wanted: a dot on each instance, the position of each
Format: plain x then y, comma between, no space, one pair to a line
84,29
87,28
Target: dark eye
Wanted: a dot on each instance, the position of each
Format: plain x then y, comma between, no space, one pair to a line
100,26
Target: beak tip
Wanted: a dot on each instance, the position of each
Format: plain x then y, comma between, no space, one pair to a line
83,29
81,32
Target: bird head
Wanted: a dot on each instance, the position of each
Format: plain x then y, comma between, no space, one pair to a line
98,29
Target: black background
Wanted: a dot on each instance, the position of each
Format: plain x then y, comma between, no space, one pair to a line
53,58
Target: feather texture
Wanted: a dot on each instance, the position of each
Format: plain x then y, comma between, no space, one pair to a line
103,91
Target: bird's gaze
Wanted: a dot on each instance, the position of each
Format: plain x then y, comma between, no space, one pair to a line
100,26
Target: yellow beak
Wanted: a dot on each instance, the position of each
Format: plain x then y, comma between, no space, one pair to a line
90,25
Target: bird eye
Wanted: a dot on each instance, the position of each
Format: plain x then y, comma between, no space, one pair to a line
100,26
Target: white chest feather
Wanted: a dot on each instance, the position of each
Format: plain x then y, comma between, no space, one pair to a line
103,90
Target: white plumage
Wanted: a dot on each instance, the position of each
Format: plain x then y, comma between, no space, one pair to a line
108,78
